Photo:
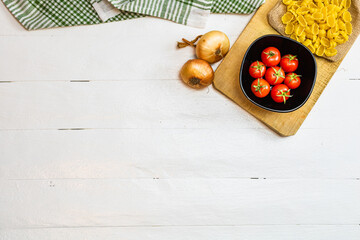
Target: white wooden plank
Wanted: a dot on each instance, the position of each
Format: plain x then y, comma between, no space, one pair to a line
298,232
125,104
336,110
150,104
89,58
178,153
178,202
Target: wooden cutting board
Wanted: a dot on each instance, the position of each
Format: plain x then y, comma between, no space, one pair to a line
227,77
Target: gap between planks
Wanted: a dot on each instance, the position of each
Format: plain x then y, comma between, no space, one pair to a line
177,178
180,226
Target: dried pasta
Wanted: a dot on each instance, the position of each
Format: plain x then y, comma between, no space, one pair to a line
320,25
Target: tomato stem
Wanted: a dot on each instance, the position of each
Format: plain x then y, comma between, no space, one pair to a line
290,57
293,76
270,54
284,95
277,74
258,87
258,66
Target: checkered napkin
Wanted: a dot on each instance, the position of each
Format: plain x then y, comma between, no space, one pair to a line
39,14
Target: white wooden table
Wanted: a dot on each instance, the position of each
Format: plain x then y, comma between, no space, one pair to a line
99,139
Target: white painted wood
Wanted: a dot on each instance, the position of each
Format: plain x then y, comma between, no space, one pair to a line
178,202
119,104
178,153
127,104
249,232
155,159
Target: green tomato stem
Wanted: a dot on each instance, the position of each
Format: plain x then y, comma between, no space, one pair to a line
290,57
258,87
258,66
277,74
293,76
284,95
270,54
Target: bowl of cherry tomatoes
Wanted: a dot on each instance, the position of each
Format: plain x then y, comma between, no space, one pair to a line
278,73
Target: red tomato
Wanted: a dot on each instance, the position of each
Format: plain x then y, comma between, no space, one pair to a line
271,56
260,87
280,93
274,75
289,63
292,80
257,69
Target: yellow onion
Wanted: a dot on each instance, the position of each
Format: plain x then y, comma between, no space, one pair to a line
212,46
197,73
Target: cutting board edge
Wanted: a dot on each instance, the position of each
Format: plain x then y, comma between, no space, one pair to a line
277,131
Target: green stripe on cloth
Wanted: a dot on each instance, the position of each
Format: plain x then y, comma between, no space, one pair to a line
243,7
39,14
191,12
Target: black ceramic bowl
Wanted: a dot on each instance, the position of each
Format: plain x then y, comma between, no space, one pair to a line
307,69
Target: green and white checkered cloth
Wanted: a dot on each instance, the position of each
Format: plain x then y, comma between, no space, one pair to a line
39,14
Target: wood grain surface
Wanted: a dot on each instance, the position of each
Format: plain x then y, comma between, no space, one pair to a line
227,77
100,139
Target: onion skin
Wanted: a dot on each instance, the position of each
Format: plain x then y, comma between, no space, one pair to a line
212,46
197,73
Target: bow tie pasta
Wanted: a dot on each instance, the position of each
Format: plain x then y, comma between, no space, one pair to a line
320,25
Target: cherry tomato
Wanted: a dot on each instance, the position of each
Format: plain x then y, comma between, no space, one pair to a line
292,80
271,56
289,63
257,69
280,93
274,75
260,87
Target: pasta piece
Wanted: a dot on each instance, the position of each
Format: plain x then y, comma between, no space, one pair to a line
311,48
322,33
315,29
324,26
340,39
309,19
341,25
289,28
320,50
330,20
287,2
336,2
346,16
325,42
347,4
348,28
333,43
287,17
330,52
302,10
307,42
317,16
302,20
299,29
